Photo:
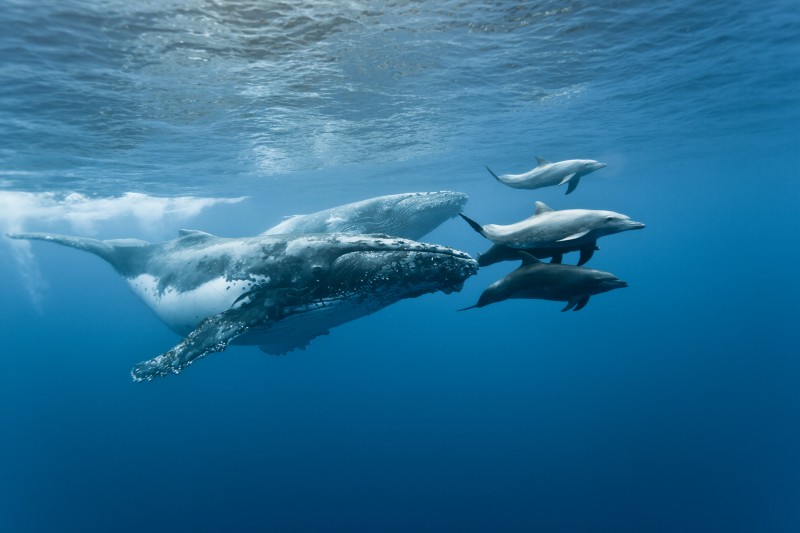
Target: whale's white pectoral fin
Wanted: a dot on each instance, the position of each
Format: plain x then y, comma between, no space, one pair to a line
212,335
566,178
542,161
574,236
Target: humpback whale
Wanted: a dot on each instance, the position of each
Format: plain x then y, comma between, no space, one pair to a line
546,174
409,215
275,291
548,281
568,229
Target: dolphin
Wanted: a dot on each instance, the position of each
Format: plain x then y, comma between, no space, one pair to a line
548,281
408,215
498,253
275,291
547,174
568,229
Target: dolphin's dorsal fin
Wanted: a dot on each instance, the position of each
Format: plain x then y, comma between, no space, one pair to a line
541,207
574,236
194,234
528,259
542,161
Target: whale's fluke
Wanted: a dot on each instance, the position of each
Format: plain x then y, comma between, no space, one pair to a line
109,250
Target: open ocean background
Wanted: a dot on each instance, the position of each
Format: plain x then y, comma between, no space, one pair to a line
668,406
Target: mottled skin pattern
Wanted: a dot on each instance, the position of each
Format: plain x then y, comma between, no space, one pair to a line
409,215
253,284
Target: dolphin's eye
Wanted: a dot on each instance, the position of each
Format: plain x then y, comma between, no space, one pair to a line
610,219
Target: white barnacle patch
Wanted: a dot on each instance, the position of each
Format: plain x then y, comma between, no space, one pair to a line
183,310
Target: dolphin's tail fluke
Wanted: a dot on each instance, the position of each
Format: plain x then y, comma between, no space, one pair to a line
493,174
108,250
477,227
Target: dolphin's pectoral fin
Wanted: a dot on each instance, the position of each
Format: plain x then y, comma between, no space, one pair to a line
212,335
586,253
576,303
557,258
581,303
574,236
572,184
567,178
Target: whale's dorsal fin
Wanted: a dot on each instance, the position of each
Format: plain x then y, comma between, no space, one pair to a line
194,234
541,207
542,161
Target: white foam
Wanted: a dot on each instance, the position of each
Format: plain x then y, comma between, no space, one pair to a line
20,210
83,213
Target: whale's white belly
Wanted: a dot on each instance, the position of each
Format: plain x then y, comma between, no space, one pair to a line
182,311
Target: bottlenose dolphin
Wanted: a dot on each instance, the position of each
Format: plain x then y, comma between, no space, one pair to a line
546,174
409,215
498,253
568,229
547,281
275,291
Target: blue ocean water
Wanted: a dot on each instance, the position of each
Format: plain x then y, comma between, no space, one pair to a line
669,406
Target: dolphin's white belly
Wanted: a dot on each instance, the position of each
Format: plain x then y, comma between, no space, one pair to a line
182,311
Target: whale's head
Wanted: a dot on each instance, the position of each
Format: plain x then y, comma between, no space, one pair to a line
408,215
377,268
411,215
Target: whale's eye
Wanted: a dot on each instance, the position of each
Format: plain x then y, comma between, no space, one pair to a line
316,271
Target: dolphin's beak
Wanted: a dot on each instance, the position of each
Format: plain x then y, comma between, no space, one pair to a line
636,225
